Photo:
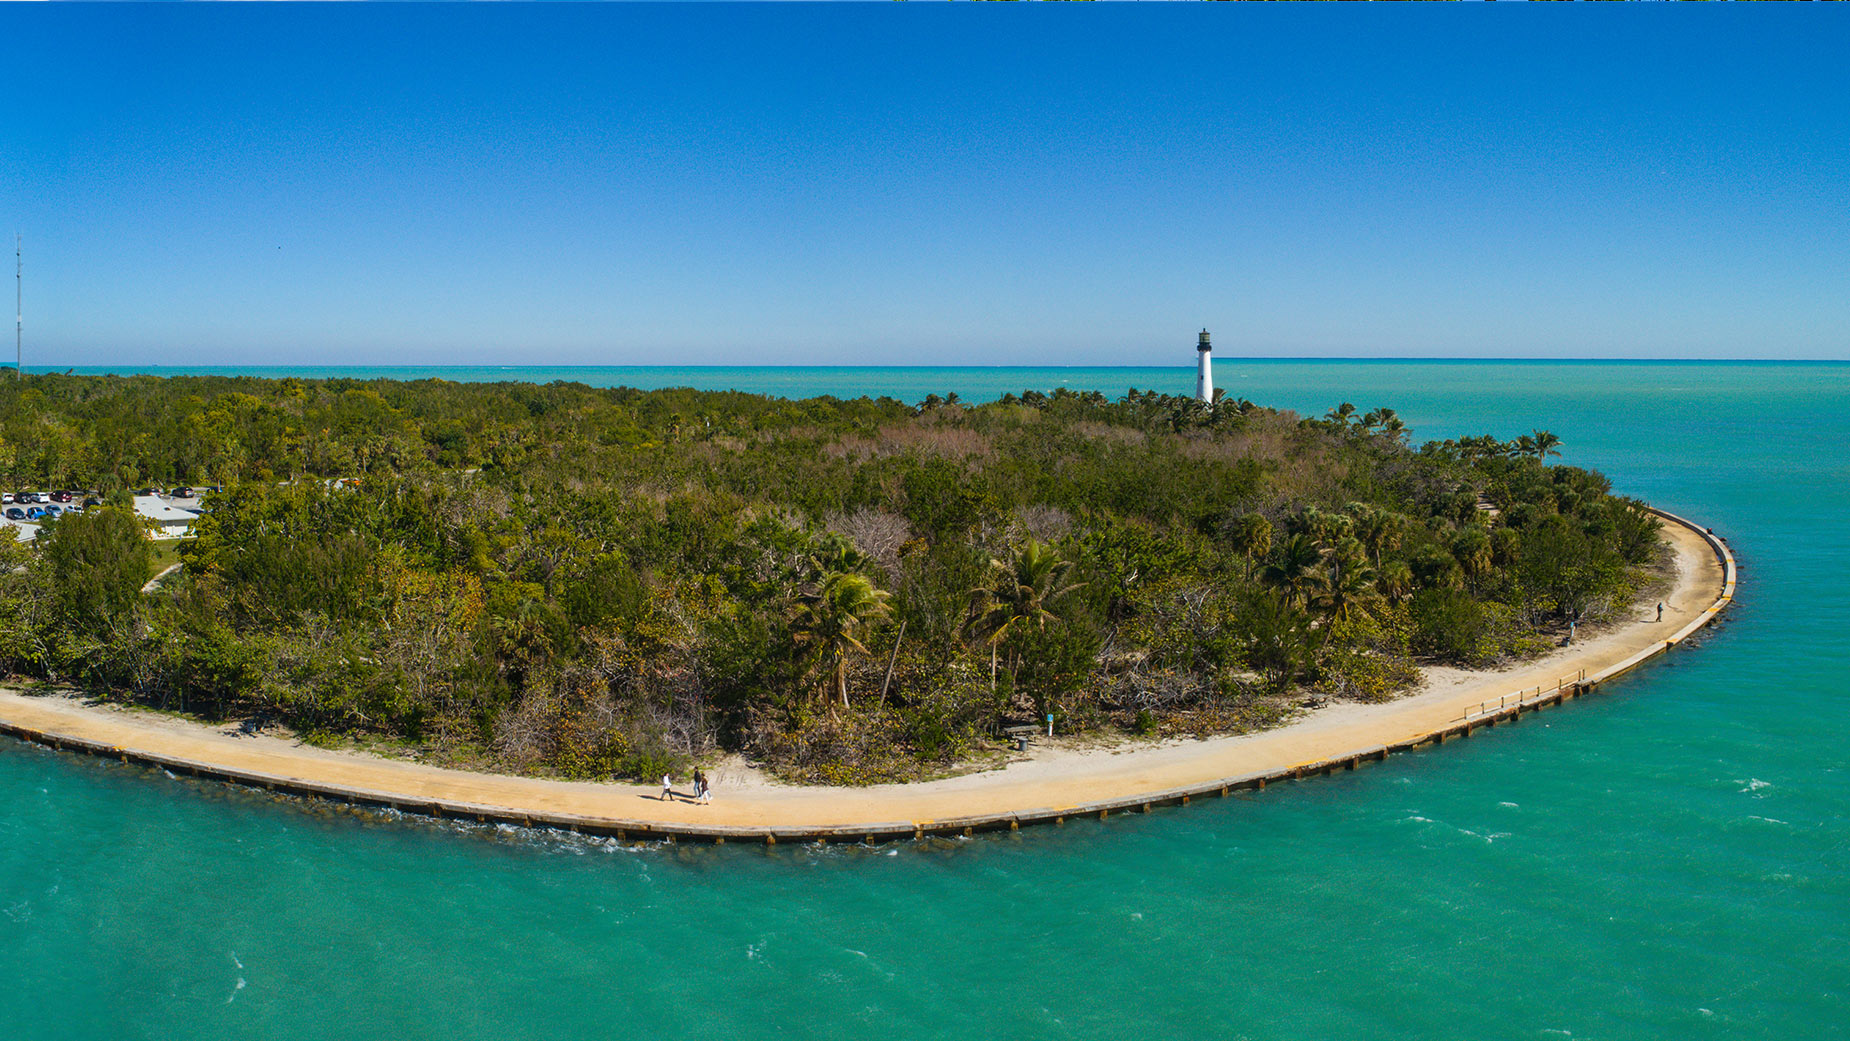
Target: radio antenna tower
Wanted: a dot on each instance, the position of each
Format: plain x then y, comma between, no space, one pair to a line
19,313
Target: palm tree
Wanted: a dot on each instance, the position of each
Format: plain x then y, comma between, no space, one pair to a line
1546,444
1473,550
1395,580
1434,567
1342,526
1325,528
1350,585
1340,414
836,552
1296,574
1319,525
831,621
1251,536
1485,446
1020,593
1389,422
1380,530
1505,547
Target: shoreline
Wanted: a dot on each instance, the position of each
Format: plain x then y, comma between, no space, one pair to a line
1049,784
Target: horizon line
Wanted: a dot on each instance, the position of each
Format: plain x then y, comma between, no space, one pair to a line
51,369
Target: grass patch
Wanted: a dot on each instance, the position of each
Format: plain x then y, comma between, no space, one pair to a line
166,554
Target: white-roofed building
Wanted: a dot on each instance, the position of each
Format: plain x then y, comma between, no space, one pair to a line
174,522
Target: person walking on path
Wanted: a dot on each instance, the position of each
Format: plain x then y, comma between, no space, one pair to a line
667,787
1660,610
706,789
700,786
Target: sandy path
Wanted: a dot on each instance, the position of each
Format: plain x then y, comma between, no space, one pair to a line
1052,776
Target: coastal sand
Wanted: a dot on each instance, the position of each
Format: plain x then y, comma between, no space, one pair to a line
1052,775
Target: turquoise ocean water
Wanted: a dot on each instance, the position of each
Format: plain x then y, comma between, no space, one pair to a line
1666,861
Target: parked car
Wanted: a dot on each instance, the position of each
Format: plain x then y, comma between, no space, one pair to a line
34,513
26,497
53,511
183,492
92,501
15,514
62,496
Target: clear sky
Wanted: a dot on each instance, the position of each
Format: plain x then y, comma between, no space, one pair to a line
893,184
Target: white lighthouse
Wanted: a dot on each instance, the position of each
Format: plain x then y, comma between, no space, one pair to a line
1204,370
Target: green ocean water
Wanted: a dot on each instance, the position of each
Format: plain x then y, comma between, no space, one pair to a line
1664,861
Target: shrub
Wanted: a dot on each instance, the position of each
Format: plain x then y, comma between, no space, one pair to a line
1450,626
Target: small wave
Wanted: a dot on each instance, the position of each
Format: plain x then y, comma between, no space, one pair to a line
1492,837
871,963
1509,806
1754,784
233,996
1769,820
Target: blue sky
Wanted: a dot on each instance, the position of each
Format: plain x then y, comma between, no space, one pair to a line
893,184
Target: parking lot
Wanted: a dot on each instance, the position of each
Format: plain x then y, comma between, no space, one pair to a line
171,514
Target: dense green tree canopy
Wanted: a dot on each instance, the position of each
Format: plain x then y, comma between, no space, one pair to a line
586,581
